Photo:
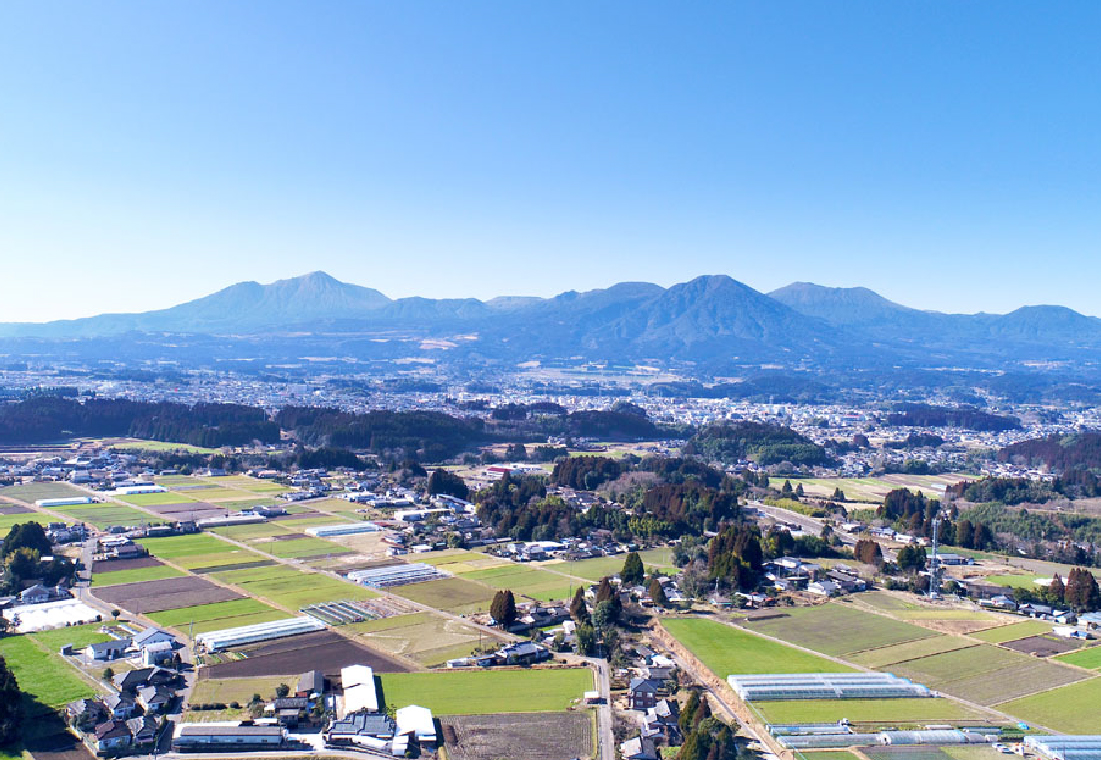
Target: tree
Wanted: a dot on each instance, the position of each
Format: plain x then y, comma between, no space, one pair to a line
579,611
838,494
115,613
799,490
29,535
282,690
632,573
108,674
516,452
657,593
911,558
605,615
1081,591
965,534
1057,589
11,705
604,590
684,722
446,482
503,608
868,552
586,640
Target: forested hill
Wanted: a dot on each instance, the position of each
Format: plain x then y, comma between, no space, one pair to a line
921,415
1059,453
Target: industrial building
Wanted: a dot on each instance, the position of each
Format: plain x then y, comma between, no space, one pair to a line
64,502
132,490
204,736
346,529
397,575
360,694
216,641
786,686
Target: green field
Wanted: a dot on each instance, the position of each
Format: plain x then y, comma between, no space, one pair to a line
428,638
526,581
29,493
910,650
595,569
79,636
237,689
292,588
174,547
42,674
251,532
7,521
1013,631
150,499
161,446
727,650
838,629
106,515
1016,581
450,594
484,692
1071,709
871,710
297,548
961,663
218,615
1083,658
115,577
460,561
838,754
873,490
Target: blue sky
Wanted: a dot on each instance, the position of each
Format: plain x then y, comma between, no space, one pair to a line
945,154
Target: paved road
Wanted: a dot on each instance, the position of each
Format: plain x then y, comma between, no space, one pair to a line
604,714
809,524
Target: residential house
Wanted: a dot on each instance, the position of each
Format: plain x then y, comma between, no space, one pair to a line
144,730
639,748
105,651
311,684
289,710
156,699
642,694
121,706
86,714
112,737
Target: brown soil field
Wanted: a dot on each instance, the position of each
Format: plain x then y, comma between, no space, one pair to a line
326,651
299,516
188,510
14,509
110,565
167,594
1041,646
227,568
543,736
289,537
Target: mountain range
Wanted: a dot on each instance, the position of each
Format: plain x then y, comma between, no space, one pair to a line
711,321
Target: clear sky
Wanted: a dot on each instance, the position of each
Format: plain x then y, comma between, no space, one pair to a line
945,154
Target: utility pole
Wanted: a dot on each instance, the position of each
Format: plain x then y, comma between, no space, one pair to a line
934,563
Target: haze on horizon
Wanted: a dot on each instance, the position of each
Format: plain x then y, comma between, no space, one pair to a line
945,156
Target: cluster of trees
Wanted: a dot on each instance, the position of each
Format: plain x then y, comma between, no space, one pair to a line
1079,592
21,554
916,441
49,418
1059,453
688,508
503,608
325,458
705,737
868,552
429,436
585,473
447,482
912,558
1073,484
764,444
735,557
11,705
923,415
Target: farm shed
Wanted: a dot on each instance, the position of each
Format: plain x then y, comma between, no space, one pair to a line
347,529
785,686
360,693
397,575
215,641
191,736
1081,747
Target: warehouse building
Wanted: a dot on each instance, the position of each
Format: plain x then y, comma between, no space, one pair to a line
1080,747
346,529
786,686
397,575
360,694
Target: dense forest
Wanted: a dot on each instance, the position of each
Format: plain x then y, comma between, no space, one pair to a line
585,473
1059,453
764,444
923,415
51,418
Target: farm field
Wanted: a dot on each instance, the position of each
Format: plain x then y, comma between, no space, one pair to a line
292,588
450,594
1083,658
837,629
1012,631
460,561
160,446
167,594
872,490
422,636
79,636
236,689
218,615
727,650
840,754
8,520
869,710
1054,709
1016,581
251,532
106,515
135,575
598,567
43,675
544,736
298,548
313,521
526,581
256,485
149,499
29,493
326,651
173,547
961,663
910,650
482,692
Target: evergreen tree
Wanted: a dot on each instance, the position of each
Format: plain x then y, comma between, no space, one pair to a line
1057,589
1081,591
604,591
11,705
657,593
684,721
579,611
503,608
632,573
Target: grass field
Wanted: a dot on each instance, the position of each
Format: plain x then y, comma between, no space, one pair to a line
727,650
873,710
484,692
174,547
218,615
148,499
961,663
910,650
460,561
300,547
1071,709
115,577
450,594
161,446
291,588
838,629
595,569
238,689
1016,581
7,521
1083,658
1013,631
526,581
251,532
29,493
840,754
42,674
79,636
106,515
873,490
